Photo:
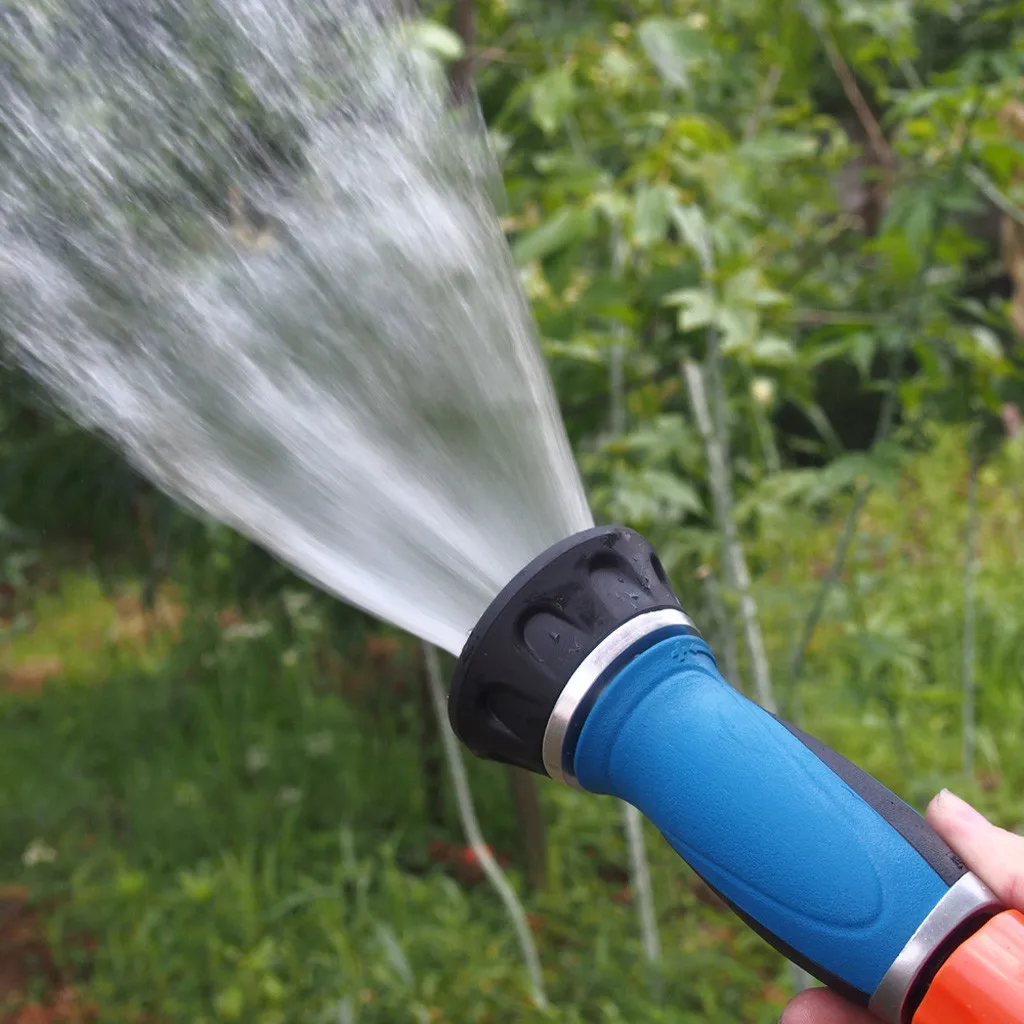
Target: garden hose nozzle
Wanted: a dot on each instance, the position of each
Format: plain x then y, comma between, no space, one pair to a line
586,669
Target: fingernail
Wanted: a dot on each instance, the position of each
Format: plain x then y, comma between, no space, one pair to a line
960,809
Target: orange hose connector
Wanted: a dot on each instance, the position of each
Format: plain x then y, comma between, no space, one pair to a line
983,981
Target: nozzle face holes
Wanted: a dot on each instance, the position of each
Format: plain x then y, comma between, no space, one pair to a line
617,584
490,702
606,560
550,636
524,621
505,708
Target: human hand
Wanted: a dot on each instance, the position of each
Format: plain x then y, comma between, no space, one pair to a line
993,854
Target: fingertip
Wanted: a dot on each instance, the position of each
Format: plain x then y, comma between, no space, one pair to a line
955,819
820,1006
937,804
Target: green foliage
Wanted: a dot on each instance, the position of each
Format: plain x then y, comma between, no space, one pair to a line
704,168
248,837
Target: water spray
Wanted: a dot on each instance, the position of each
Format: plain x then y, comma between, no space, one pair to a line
586,669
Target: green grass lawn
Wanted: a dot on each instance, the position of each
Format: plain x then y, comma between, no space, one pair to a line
239,843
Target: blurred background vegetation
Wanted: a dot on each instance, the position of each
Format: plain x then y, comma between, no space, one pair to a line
223,796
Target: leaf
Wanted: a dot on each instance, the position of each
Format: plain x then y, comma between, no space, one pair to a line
655,495
1001,157
651,215
618,65
862,353
747,288
677,495
886,20
578,351
666,437
574,172
962,200
698,307
552,98
568,225
739,327
673,47
436,39
918,102
610,307
395,954
987,342
1005,66
701,133
692,225
229,1003
775,147
912,217
770,348
816,415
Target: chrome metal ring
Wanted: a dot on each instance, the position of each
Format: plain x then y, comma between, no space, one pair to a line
968,897
651,627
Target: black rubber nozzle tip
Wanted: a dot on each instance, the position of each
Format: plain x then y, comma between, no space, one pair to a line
538,631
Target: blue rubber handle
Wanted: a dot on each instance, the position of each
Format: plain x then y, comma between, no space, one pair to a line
819,857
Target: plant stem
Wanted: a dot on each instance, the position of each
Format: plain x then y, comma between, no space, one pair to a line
995,195
763,428
640,869
899,741
798,657
725,637
430,744
531,823
765,95
734,556
872,129
616,384
970,612
460,75
718,454
471,828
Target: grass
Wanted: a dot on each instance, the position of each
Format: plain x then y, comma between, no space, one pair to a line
79,632
213,822
240,844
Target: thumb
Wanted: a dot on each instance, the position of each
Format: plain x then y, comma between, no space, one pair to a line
819,1006
995,855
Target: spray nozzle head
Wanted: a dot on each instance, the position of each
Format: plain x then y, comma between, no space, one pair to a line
539,632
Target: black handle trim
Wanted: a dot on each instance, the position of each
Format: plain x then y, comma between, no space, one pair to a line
903,818
838,985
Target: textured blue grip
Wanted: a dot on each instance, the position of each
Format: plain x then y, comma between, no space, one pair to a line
755,812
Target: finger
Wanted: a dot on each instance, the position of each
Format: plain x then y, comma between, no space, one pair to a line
819,1006
993,854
